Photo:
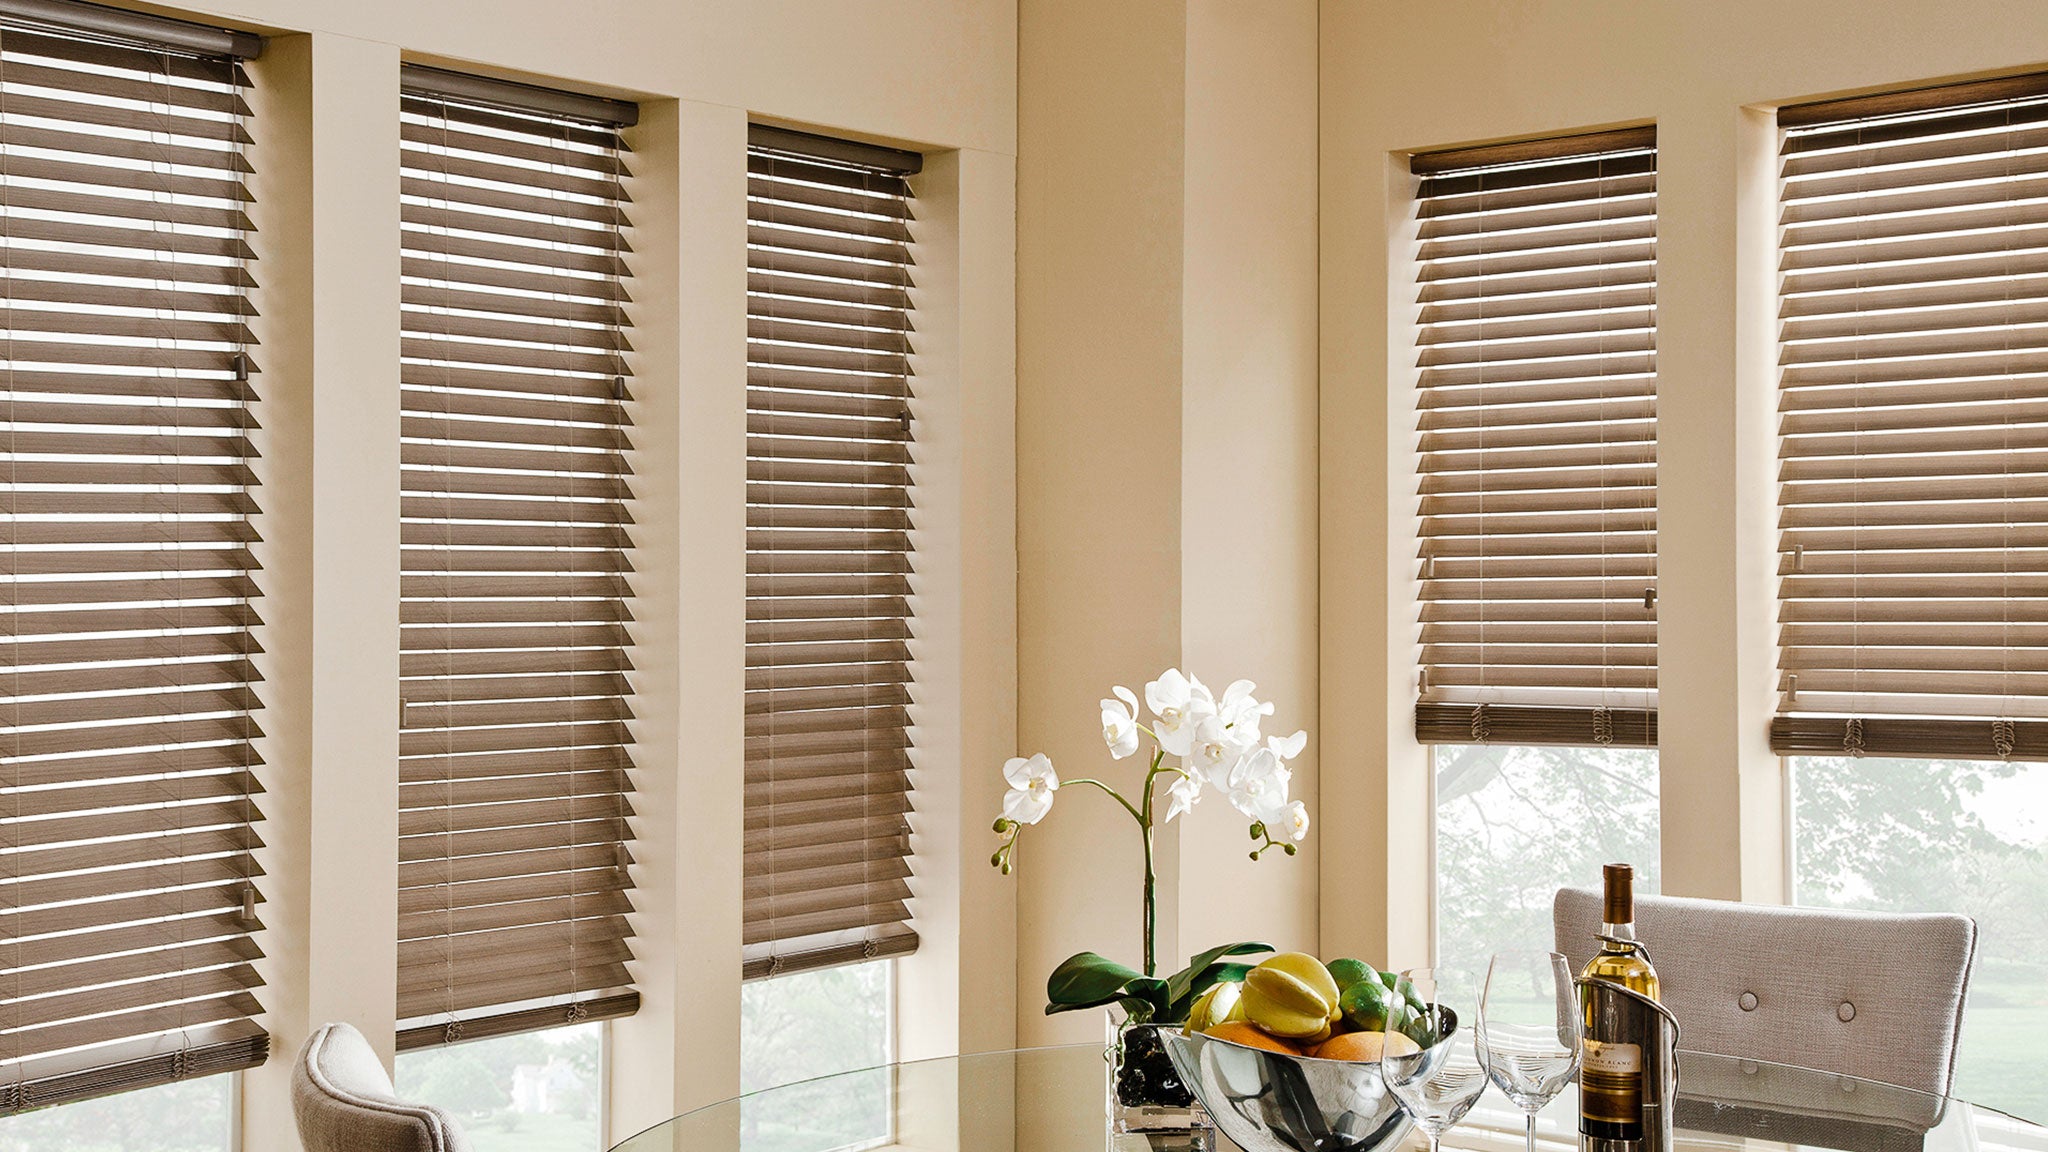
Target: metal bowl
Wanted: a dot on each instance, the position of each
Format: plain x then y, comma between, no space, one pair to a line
1273,1102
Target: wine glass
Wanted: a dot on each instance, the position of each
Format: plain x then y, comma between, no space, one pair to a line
1529,1029
1428,1059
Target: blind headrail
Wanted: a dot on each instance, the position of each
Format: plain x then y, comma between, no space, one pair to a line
1926,99
508,95
135,28
1530,151
806,146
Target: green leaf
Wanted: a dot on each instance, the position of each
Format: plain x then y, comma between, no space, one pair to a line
1143,999
1218,973
1181,983
1086,980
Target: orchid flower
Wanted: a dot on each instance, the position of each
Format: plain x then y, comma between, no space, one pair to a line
1287,747
1032,783
1258,788
1212,752
1293,822
1182,796
1179,702
1120,723
1241,713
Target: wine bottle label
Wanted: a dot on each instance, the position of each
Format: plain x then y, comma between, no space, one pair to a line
1611,1083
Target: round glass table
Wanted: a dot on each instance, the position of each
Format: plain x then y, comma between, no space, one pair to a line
1056,1100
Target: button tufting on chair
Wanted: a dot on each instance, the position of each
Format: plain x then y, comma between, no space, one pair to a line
1845,1012
1748,1001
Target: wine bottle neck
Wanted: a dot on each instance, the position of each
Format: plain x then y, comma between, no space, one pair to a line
1625,931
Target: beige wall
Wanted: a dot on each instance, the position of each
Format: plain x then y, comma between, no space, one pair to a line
1165,444
939,77
1398,77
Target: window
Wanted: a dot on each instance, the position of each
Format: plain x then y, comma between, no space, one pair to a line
1911,531
1537,424
516,651
829,534
527,1092
1912,426
127,762
810,1024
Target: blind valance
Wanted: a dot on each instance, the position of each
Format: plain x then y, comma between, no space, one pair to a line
829,534
1536,350
1913,419
129,898
516,660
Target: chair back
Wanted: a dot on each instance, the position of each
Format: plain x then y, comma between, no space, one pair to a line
1874,995
343,1102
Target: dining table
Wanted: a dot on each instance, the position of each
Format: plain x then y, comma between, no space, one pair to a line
1057,1099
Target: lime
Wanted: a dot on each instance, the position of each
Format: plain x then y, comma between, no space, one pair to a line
1365,1005
1347,972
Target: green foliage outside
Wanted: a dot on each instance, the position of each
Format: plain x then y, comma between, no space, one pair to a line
186,1117
807,1025
1515,824
1912,836
475,1082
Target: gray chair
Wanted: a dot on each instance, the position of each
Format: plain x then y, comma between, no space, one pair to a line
1878,996
343,1102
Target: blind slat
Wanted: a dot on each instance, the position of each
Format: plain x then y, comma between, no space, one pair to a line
130,487
514,811
829,512
1536,351
1913,503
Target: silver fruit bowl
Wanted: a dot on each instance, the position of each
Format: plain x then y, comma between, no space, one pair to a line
1273,1102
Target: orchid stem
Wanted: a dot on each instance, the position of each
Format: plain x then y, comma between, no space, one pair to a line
1113,795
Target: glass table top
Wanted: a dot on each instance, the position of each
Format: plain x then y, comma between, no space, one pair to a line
1057,1100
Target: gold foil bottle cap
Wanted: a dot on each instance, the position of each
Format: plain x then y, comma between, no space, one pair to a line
1619,906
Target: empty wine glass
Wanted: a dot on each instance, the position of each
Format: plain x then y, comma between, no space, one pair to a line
1429,1060
1529,1029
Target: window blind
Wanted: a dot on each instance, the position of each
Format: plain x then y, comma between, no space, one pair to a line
129,892
1536,350
1913,419
515,750
829,595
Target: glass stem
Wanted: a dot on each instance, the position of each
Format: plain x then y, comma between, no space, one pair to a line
1532,1132
1434,1141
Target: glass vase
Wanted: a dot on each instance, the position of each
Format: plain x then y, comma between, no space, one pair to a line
1146,1094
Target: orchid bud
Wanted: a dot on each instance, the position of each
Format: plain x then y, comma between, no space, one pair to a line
1258,829
1287,848
1004,824
996,861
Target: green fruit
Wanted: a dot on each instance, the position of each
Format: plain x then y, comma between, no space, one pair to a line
1365,1005
1291,995
1391,979
1347,972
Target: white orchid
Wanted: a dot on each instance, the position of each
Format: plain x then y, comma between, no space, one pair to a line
1241,713
1219,745
1120,723
1179,702
1214,752
1181,796
1032,783
1258,788
1287,747
1293,822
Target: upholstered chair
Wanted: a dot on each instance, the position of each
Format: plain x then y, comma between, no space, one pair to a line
343,1102
1878,996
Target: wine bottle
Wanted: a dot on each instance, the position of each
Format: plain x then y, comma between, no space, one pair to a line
1611,1074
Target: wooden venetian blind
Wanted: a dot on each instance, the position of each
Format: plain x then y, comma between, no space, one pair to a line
1913,419
829,604
127,814
1537,422
516,652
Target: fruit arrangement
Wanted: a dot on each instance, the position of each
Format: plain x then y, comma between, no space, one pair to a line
1295,1004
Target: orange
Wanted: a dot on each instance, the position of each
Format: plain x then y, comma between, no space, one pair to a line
1364,1046
1249,1035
